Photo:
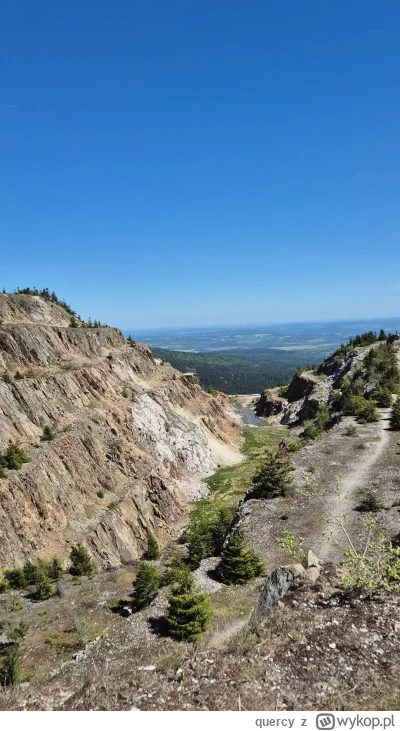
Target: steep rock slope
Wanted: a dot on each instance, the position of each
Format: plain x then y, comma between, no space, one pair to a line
133,439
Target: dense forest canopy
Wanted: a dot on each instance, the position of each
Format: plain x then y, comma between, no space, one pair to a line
256,370
238,373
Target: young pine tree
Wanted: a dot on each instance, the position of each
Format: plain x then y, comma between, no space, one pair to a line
146,586
44,587
383,397
274,478
189,611
152,552
395,416
11,670
81,562
239,563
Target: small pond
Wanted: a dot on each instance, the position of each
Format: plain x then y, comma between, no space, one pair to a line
248,416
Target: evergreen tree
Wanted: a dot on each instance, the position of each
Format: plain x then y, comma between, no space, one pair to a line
395,416
383,397
152,553
382,335
239,563
273,480
189,612
44,587
31,573
53,568
81,562
11,670
72,321
146,585
206,533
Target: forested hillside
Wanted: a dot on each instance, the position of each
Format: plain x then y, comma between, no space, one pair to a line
239,373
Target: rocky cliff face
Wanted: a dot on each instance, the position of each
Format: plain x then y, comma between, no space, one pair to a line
133,439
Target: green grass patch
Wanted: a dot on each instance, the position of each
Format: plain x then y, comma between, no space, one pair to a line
229,484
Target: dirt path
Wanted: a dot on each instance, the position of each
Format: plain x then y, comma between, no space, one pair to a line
355,480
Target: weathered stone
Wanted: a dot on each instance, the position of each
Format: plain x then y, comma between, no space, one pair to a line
277,585
311,560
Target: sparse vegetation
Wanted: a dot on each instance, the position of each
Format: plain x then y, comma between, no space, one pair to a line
370,503
48,434
376,565
293,545
14,457
85,630
47,296
313,428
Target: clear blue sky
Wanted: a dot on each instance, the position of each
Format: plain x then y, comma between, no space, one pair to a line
202,161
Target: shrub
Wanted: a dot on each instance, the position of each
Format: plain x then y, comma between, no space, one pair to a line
100,493
293,545
189,612
11,669
294,447
370,503
3,473
14,457
312,429
81,562
146,586
175,570
6,377
15,578
360,407
85,631
44,587
273,480
72,321
4,586
239,563
152,552
53,568
395,416
31,573
350,431
48,434
17,632
383,397
377,566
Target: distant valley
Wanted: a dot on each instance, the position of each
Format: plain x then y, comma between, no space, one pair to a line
247,359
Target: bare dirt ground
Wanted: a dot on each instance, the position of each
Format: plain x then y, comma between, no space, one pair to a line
316,650
368,461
